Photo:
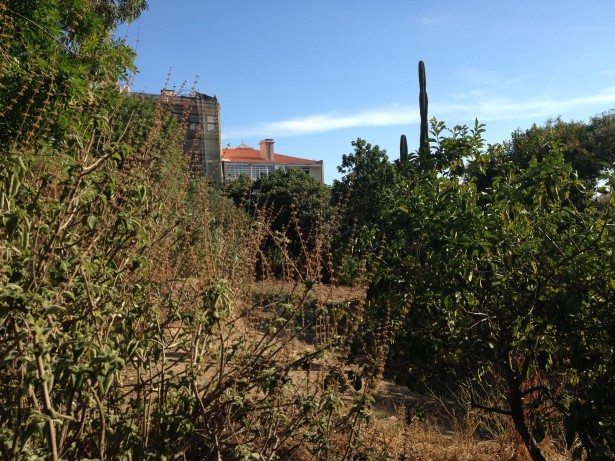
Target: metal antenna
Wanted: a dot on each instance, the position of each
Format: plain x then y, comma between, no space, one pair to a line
194,84
168,80
182,87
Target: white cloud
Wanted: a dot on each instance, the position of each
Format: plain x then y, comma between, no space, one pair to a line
503,109
487,109
319,123
493,81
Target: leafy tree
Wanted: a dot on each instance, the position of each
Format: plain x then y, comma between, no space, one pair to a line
53,52
508,284
239,190
290,195
588,147
296,210
364,198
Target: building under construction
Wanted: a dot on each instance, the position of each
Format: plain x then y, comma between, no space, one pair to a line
200,114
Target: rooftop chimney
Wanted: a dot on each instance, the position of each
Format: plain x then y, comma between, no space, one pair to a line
266,149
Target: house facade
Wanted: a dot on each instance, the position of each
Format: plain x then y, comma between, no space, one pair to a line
255,163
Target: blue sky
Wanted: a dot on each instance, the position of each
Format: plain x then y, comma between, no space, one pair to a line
315,75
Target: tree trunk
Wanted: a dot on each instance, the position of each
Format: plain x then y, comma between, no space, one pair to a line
515,401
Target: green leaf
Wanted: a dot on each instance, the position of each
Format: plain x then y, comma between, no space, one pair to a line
92,220
55,309
10,223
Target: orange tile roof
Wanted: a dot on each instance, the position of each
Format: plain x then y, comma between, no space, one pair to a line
249,155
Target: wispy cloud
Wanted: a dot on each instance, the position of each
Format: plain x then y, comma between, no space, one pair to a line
318,123
490,80
488,109
504,109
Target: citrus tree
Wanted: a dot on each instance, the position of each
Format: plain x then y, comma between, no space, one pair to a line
508,285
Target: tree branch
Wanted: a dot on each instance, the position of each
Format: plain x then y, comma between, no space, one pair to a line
499,411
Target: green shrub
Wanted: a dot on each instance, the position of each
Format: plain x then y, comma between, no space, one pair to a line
507,285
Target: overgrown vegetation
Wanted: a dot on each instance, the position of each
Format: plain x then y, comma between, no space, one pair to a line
144,315
497,274
298,213
125,299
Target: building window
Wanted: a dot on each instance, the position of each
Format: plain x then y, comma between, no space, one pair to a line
258,171
234,170
211,127
254,172
305,169
211,119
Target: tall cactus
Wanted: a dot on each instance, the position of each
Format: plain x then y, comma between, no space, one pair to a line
403,149
424,135
424,140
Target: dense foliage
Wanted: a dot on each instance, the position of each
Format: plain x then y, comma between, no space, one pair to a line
127,326
55,57
298,213
588,147
506,283
124,283
363,198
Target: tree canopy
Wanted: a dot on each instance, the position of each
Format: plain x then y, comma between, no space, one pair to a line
364,198
588,147
505,283
56,55
297,210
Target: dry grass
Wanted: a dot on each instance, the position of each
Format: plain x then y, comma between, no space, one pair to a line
393,439
449,432
322,293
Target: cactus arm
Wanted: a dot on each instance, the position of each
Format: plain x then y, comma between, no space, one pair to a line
403,150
